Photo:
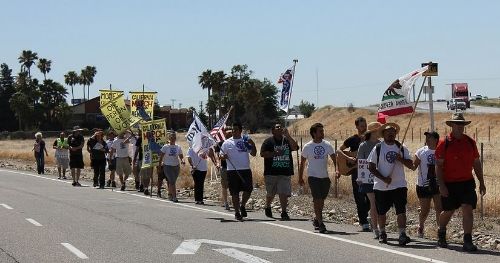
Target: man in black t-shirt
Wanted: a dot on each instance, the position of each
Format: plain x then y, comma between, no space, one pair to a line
278,168
76,143
361,199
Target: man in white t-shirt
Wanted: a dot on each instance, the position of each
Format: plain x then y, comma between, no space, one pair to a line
235,151
111,160
386,162
315,153
120,149
427,186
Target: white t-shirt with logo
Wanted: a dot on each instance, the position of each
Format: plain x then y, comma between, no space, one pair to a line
387,164
172,153
237,152
427,158
317,155
199,163
120,147
110,143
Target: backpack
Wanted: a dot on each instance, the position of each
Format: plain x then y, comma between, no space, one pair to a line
378,147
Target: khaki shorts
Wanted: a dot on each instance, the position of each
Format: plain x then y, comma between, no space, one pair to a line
223,178
278,184
123,166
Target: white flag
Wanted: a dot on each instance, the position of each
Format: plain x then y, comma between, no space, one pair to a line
196,126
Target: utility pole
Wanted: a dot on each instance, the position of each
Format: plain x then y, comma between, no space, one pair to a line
173,103
180,105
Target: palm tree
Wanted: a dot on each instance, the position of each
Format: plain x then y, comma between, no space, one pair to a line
86,78
27,59
71,78
205,81
44,66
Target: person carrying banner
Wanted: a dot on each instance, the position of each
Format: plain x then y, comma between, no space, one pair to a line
427,187
171,155
98,149
145,173
361,199
39,149
386,162
132,151
76,143
278,168
315,154
120,150
111,159
365,181
222,167
199,167
235,151
456,157
61,146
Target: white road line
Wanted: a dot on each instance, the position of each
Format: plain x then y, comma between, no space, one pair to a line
241,256
74,250
33,221
6,206
268,223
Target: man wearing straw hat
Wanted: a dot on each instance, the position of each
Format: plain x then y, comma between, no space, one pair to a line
386,162
456,156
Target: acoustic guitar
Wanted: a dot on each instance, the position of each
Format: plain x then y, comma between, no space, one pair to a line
343,165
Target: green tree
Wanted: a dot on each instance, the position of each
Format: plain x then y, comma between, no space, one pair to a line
87,78
71,78
45,66
27,59
53,95
205,81
306,108
7,89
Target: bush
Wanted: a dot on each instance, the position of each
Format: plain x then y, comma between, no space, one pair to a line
20,135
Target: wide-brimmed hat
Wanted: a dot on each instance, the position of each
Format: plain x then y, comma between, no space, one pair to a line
389,125
457,117
77,128
374,128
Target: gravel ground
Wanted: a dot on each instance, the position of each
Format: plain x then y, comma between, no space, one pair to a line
337,210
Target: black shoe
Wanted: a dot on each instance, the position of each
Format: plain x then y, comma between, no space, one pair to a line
158,194
96,184
78,184
469,247
137,185
243,211
64,177
59,177
316,224
403,239
442,239
238,216
268,212
108,183
284,216
123,187
146,192
73,184
113,184
383,238
101,187
322,228
141,188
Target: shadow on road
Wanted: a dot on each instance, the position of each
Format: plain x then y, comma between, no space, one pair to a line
458,248
224,220
413,244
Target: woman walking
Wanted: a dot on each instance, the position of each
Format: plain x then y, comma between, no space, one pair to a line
171,154
98,149
39,149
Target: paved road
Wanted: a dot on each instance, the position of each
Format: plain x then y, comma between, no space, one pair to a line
46,220
423,106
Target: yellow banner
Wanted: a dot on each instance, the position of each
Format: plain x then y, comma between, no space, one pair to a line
158,130
117,114
137,98
107,95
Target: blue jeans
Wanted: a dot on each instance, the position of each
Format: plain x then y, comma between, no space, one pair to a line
40,162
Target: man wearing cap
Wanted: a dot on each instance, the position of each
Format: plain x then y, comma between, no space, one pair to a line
278,168
427,186
361,199
456,156
76,143
386,162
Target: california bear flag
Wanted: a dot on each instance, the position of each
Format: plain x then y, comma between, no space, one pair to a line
396,99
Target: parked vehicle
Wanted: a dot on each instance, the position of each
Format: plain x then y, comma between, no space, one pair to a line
461,90
456,104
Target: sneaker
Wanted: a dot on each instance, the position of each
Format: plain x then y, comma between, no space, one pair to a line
73,184
316,224
123,187
175,200
376,234
268,212
158,194
101,187
108,183
59,177
78,184
243,211
469,247
146,192
226,206
442,239
420,232
64,177
201,203
96,184
284,216
113,184
238,216
322,228
141,188
383,238
366,228
137,185
403,239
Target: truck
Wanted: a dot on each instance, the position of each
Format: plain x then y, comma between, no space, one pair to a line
461,91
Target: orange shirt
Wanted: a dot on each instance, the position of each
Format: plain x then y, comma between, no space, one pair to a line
458,158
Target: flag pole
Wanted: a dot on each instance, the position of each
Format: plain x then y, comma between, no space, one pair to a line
291,88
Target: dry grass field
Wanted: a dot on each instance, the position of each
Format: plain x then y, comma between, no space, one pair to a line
339,123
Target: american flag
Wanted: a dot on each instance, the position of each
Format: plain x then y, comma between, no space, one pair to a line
218,130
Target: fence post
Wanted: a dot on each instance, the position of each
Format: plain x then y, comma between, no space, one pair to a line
335,179
420,135
411,134
477,135
489,133
482,166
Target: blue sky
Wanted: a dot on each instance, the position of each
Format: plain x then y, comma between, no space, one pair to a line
357,47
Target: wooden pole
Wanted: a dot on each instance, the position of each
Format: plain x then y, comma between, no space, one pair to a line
482,165
335,179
